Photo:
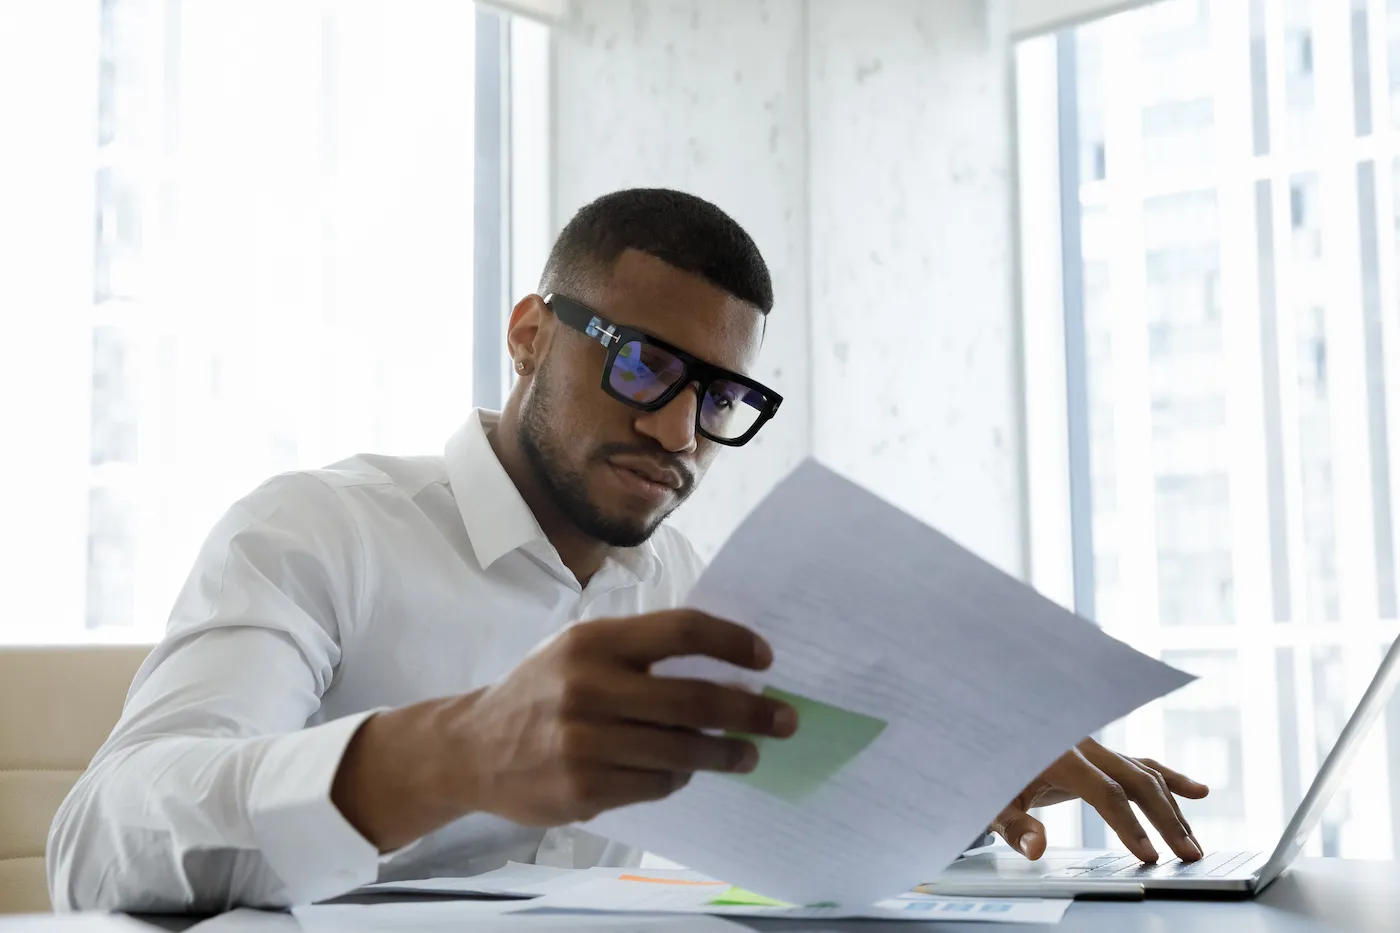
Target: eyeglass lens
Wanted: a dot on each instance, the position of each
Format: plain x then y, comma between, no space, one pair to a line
643,373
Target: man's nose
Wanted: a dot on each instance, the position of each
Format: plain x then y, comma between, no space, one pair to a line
673,425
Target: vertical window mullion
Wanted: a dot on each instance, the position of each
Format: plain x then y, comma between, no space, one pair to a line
1245,410
1345,324
1130,387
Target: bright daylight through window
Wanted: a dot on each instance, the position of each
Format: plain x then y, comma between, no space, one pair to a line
1219,181
257,224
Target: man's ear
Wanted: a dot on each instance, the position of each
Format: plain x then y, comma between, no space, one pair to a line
528,332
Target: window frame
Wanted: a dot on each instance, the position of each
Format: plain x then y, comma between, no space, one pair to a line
68,180
1060,515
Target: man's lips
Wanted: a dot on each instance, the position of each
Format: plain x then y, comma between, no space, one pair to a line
652,472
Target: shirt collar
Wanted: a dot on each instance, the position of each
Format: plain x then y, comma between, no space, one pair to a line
495,515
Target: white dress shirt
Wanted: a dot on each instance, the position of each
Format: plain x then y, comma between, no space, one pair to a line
322,597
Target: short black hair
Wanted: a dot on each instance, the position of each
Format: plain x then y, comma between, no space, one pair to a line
680,229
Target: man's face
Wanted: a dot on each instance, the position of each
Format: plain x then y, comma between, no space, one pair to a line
614,471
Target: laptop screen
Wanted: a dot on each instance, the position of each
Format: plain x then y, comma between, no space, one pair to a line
1334,768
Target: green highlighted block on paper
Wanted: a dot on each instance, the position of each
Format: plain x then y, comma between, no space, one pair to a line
738,897
827,739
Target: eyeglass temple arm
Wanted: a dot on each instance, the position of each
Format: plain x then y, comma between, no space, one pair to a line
602,331
583,319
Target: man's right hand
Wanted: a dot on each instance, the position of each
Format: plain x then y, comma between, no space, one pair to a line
581,725
578,727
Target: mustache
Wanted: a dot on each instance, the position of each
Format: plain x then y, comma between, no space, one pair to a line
654,452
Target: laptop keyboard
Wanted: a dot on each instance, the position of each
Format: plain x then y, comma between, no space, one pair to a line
1214,865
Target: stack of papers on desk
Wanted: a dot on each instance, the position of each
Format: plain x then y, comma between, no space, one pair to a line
628,893
488,917
517,880
931,688
620,898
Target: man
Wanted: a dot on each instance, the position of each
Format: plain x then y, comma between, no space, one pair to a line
372,671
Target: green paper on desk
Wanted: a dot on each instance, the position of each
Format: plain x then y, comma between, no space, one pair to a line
827,739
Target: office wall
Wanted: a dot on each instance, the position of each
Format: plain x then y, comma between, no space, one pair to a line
866,146
706,96
913,311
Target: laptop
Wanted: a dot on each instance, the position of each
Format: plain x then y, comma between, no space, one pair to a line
1003,872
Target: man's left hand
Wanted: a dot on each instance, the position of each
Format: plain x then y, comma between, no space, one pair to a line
1110,783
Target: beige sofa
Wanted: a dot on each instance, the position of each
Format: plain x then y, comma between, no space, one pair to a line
57,706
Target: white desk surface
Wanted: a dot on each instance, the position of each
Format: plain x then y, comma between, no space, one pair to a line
1314,896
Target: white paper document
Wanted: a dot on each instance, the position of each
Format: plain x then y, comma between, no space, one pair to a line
71,923
487,917
247,920
517,879
931,688
621,895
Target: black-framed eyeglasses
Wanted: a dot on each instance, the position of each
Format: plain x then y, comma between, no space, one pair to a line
646,373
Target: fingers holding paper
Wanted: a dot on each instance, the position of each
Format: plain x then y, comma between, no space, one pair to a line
1112,784
582,726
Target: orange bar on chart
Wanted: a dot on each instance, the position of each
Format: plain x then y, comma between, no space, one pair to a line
667,880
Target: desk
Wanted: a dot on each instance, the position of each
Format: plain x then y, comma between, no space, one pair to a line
1314,896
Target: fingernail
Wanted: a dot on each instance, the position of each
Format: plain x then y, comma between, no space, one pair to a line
1195,846
762,653
1145,846
1197,843
1025,844
785,721
747,761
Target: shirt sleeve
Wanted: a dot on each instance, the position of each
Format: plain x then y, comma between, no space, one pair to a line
211,793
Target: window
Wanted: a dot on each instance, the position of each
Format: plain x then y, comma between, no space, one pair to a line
281,252
1225,322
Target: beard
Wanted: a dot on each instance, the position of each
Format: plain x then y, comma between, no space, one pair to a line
567,488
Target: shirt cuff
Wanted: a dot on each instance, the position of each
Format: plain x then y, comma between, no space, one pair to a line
303,836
